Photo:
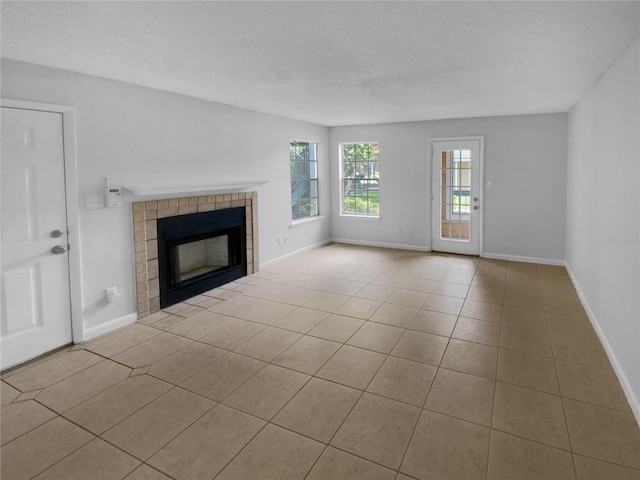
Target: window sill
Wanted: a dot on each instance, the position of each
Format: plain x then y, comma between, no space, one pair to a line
306,221
361,217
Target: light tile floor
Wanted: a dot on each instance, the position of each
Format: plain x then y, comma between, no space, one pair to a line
343,362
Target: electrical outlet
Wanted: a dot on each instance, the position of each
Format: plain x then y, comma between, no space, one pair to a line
286,239
111,294
280,240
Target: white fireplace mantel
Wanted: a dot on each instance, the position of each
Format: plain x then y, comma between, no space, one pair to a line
145,190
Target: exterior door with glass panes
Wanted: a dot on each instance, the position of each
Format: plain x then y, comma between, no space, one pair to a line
456,195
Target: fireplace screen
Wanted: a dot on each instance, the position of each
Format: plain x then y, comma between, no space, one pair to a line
199,252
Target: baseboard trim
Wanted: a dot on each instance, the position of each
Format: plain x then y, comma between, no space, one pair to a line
634,401
365,243
109,326
517,258
295,252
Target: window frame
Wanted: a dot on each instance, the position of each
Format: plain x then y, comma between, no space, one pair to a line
312,178
368,179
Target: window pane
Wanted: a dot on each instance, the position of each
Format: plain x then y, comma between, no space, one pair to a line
347,187
313,207
305,188
349,205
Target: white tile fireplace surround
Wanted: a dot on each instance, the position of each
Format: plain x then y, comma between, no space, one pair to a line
145,216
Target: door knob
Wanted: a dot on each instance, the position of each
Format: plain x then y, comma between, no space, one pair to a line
475,207
58,249
56,234
475,199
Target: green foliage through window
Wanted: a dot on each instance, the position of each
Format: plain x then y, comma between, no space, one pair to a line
360,178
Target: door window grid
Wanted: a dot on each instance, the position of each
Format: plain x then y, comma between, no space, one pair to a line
455,195
460,191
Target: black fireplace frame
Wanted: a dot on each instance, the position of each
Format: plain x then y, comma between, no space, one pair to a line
178,230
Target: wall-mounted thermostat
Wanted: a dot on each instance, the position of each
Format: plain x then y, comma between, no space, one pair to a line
114,199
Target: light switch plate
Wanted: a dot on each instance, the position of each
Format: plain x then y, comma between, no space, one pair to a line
94,202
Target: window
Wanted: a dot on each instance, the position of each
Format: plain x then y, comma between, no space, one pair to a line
360,179
304,179
460,182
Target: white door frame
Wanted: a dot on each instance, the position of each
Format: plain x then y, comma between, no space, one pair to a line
72,204
478,138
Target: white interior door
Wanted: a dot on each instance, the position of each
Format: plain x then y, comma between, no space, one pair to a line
35,297
456,195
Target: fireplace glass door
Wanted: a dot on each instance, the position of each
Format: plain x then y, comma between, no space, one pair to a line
201,257
195,258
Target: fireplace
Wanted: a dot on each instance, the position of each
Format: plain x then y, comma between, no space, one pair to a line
199,252
148,214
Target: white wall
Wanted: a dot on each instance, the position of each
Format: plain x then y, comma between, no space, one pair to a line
135,135
525,158
603,213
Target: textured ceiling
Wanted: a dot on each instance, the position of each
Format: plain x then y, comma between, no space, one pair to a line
336,63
